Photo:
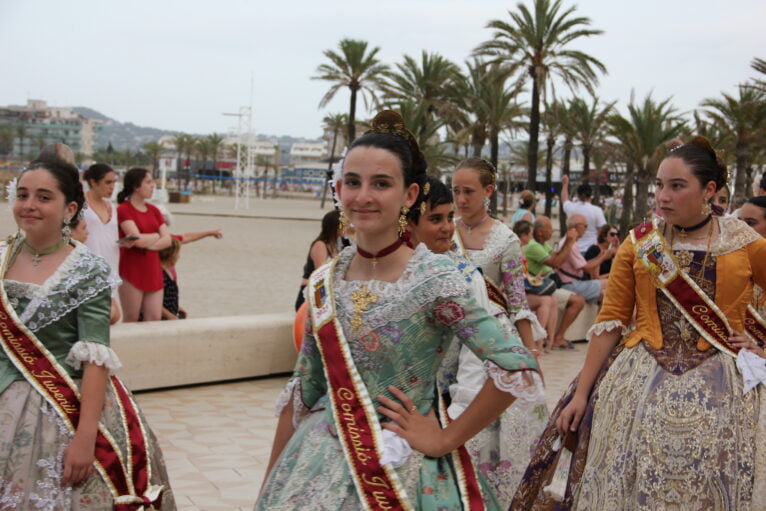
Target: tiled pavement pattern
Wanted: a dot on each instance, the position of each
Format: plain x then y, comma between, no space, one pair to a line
217,438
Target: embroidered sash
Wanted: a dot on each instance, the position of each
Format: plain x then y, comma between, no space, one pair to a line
127,480
755,325
356,420
683,292
465,472
493,291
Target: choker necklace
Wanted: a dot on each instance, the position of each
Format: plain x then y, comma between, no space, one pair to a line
474,226
37,254
683,232
388,250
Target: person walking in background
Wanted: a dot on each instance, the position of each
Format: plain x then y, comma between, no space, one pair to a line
140,270
63,413
526,210
541,260
606,246
594,215
324,247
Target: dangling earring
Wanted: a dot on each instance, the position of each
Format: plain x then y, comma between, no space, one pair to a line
343,221
402,227
706,209
66,231
486,204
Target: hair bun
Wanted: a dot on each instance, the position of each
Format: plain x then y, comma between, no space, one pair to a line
718,155
391,122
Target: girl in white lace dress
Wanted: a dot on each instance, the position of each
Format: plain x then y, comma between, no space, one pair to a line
60,291
504,448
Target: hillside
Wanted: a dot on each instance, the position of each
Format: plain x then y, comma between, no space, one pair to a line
126,134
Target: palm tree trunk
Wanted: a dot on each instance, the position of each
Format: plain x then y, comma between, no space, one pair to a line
329,168
550,143
534,131
586,149
626,219
642,192
494,142
352,117
568,144
741,158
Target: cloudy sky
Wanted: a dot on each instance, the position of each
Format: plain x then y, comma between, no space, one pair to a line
180,64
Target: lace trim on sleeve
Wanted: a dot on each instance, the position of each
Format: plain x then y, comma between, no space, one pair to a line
604,326
94,353
538,332
526,386
292,389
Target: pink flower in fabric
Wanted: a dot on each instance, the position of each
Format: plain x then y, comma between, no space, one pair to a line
449,313
371,342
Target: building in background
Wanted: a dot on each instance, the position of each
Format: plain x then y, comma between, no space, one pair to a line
36,125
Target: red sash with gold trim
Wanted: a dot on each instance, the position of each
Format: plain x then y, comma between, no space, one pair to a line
467,480
127,481
356,420
495,295
686,295
755,326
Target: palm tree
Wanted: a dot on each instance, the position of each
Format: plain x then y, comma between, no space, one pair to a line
334,123
759,65
552,119
21,134
537,42
214,141
426,133
642,136
184,145
589,122
741,118
154,150
356,68
426,82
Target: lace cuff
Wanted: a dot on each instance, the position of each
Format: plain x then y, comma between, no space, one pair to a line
538,332
604,326
292,389
94,353
526,386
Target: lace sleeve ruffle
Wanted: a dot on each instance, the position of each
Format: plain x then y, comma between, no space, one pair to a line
538,332
292,390
94,353
604,326
526,386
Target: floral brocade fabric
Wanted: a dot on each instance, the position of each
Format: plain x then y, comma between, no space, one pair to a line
401,341
679,352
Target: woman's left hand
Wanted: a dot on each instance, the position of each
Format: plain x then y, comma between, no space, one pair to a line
743,342
422,432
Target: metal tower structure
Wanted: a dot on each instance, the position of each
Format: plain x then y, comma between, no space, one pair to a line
244,172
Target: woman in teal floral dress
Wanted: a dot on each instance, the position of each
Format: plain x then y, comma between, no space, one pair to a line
416,302
60,293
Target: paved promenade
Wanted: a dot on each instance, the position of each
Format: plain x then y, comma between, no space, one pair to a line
217,438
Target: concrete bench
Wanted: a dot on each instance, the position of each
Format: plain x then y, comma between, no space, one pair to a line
582,323
161,354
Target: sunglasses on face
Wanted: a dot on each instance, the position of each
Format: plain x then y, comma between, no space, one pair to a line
614,234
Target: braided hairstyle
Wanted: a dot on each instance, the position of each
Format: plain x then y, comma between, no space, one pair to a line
67,177
389,133
706,163
487,171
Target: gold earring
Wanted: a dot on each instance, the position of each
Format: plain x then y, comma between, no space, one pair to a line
343,221
706,209
402,227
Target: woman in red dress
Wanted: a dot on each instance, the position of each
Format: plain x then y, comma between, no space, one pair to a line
140,270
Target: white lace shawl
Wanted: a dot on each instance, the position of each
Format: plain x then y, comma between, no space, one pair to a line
82,276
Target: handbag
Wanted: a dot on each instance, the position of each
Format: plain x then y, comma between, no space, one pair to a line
541,286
